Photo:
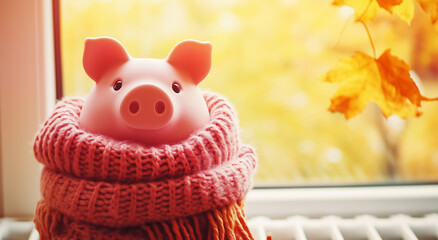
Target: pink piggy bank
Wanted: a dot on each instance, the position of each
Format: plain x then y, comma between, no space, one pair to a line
151,101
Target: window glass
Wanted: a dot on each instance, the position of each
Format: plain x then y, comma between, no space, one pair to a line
268,57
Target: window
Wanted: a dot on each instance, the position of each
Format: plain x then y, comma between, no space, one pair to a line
268,55
267,59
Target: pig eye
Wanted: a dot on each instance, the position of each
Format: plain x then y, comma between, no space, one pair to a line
176,87
117,85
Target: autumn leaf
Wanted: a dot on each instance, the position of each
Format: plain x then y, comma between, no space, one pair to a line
431,8
366,10
385,81
389,4
405,10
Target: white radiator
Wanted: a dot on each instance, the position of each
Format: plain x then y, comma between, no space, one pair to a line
397,227
365,227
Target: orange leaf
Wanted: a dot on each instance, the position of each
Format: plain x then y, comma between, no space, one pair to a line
431,8
385,81
388,4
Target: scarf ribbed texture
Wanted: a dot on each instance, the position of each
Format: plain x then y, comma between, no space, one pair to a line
95,187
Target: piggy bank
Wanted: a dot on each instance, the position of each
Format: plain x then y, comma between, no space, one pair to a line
151,101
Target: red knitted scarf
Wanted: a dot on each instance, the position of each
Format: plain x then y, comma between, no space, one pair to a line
95,187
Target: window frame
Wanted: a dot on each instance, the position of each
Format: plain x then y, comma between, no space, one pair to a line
414,199
18,163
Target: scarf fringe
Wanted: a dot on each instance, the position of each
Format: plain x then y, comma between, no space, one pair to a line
226,223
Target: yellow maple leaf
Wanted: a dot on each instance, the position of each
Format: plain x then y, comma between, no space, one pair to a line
385,81
405,10
366,10
431,8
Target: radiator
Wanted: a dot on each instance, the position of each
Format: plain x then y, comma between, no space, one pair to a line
397,227
364,227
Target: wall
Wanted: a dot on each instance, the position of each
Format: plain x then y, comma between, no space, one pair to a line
1,185
26,94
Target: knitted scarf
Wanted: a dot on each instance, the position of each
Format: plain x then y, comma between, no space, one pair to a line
95,187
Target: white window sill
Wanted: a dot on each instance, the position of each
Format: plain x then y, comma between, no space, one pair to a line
381,201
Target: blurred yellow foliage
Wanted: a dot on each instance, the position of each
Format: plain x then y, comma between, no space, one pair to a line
267,57
365,10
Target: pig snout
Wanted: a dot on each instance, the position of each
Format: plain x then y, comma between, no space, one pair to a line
146,107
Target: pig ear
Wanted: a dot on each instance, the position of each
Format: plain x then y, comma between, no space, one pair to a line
193,57
102,53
